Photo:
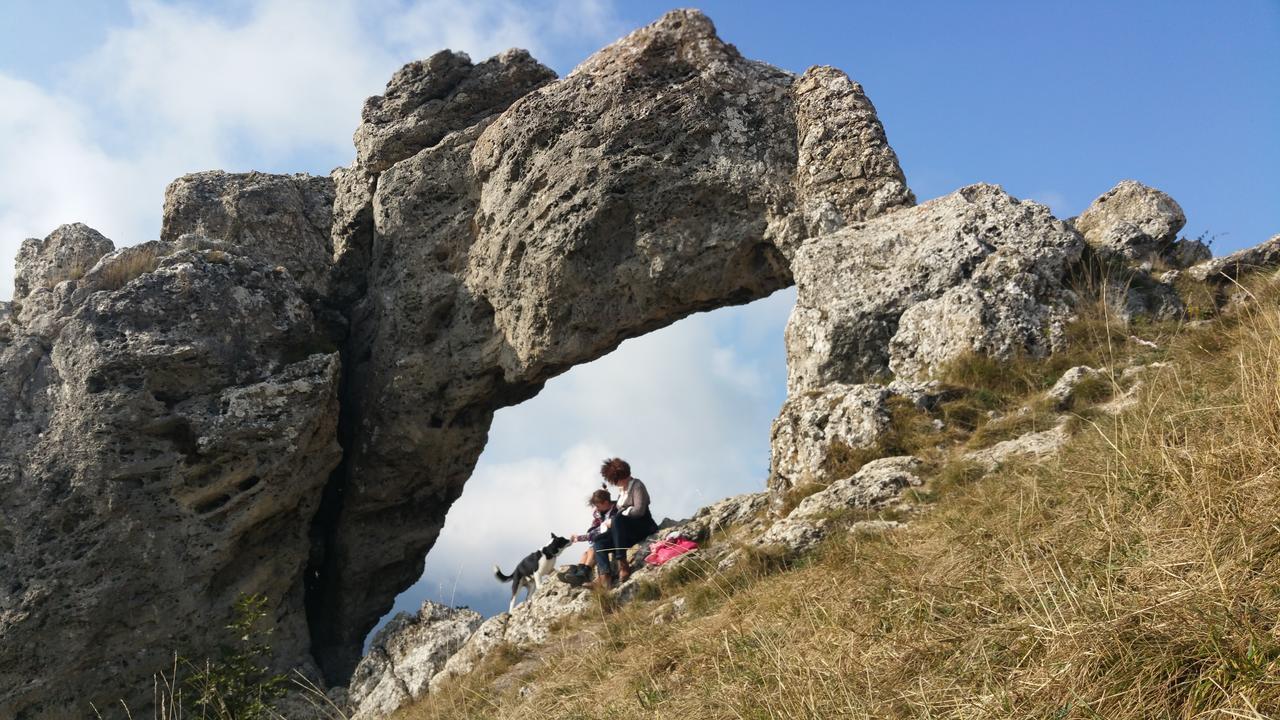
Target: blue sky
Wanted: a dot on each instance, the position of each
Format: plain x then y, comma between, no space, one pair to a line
102,103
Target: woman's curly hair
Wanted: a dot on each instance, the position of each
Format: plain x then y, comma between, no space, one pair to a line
615,470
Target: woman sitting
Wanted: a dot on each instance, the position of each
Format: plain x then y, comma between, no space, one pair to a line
632,524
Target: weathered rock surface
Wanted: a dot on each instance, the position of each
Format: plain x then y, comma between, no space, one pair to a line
529,624
712,519
163,442
875,484
1142,296
817,424
1227,268
1132,221
280,220
66,254
403,657
974,271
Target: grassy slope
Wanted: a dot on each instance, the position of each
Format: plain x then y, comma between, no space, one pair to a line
1136,575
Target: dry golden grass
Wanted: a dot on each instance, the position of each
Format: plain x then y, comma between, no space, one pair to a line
1137,575
131,264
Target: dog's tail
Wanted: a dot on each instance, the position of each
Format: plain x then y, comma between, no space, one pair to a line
498,574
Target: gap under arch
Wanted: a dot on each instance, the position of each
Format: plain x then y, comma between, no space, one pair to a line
689,406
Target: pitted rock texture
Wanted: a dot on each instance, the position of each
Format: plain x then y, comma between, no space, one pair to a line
658,179
1132,221
403,657
66,254
873,485
280,219
162,447
1037,444
816,426
974,271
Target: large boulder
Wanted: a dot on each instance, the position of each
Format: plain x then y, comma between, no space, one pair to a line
974,271
1131,221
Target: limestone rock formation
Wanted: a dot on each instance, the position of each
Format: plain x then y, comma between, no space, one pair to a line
66,254
718,516
1227,268
974,271
816,425
163,442
279,220
1036,444
529,624
170,410
403,657
875,484
1131,221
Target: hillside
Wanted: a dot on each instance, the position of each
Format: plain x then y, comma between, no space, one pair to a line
1132,574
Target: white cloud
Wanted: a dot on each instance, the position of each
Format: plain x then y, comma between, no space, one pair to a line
278,87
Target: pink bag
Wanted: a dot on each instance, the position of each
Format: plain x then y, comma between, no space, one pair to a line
664,550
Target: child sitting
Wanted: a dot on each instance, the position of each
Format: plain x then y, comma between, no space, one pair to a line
603,509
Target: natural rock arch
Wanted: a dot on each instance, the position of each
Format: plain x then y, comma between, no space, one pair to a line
170,439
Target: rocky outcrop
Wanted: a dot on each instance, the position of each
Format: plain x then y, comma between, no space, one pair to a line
66,254
711,520
656,180
1133,222
1225,269
403,657
816,425
1063,392
873,486
530,623
974,271
163,441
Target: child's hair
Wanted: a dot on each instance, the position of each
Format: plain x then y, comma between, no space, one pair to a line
599,496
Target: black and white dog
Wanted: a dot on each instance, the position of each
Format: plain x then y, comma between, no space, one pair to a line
533,568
